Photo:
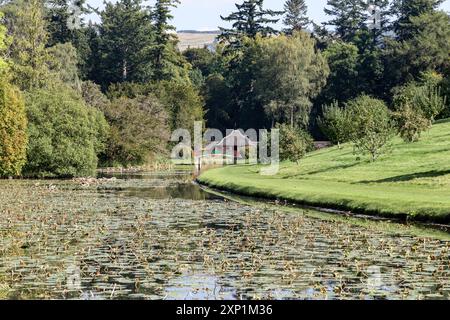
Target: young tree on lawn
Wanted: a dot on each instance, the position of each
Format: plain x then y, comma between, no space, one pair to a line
335,123
372,125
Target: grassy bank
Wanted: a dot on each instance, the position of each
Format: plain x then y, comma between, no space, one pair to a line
412,181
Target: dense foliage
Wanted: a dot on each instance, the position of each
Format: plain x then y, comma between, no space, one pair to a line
335,123
139,130
13,121
290,73
338,79
13,125
416,106
294,143
65,134
371,125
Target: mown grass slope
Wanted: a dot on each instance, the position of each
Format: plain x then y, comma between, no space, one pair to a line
411,181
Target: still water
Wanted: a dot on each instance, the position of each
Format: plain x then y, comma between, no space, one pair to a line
159,236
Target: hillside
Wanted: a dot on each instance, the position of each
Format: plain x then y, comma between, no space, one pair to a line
412,181
196,39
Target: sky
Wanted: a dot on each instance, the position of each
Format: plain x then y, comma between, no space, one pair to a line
204,15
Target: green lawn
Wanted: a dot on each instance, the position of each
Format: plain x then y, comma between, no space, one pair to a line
412,180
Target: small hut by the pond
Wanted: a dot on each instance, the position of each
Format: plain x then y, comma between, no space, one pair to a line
234,146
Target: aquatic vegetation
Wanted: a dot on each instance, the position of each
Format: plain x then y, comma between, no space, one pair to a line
111,239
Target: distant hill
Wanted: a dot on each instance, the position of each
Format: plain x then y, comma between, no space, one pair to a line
196,39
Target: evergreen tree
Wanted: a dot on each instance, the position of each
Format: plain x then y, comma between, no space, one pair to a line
343,82
125,38
93,59
427,50
295,16
249,20
65,19
405,11
167,61
66,24
378,20
349,17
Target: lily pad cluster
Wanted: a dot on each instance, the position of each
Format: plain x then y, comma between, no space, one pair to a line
106,240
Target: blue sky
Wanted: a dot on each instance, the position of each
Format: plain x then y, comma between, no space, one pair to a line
205,14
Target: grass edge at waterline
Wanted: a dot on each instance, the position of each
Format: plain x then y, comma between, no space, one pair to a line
411,182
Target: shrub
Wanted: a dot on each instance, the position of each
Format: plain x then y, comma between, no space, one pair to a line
183,102
371,125
436,80
294,143
13,126
335,123
416,106
410,122
65,134
93,96
139,130
425,98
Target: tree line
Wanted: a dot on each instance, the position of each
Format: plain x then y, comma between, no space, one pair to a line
332,80
77,94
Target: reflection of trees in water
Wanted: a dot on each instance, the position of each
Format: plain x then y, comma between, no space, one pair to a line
179,191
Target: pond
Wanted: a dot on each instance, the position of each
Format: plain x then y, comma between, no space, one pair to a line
159,236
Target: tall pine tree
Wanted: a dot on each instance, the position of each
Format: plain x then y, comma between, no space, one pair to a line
405,10
249,20
295,18
66,24
65,18
125,38
349,17
167,61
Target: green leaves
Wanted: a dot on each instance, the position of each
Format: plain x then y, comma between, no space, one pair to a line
65,134
416,106
290,73
371,125
294,143
335,123
13,135
28,50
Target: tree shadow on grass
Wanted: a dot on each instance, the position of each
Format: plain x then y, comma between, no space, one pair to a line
409,177
342,166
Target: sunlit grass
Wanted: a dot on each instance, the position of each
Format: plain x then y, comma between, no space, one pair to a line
410,181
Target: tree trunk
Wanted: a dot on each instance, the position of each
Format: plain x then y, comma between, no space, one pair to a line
124,70
292,117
